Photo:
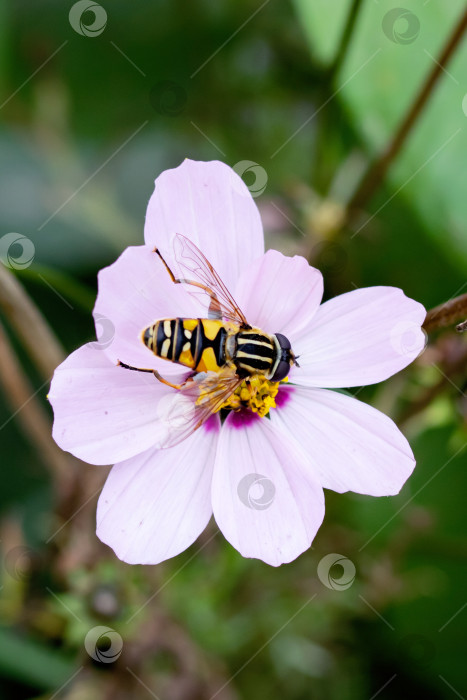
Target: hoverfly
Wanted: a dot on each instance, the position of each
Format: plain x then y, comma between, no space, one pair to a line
222,351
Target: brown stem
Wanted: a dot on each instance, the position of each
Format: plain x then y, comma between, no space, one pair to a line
28,322
447,314
46,353
378,169
30,413
346,36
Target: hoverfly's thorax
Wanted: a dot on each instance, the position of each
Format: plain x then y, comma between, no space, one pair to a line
256,352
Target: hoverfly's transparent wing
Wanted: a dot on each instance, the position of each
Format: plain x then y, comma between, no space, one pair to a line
193,267
184,411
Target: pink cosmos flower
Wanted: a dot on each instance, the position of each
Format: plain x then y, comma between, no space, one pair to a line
262,478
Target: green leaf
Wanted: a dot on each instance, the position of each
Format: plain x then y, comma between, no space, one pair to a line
32,663
388,60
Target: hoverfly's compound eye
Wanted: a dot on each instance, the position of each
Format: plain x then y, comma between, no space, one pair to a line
283,342
283,366
282,370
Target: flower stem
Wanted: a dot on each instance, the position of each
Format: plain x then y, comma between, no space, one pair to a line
31,327
447,314
46,352
378,169
30,413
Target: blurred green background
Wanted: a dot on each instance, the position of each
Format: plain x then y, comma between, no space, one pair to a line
86,124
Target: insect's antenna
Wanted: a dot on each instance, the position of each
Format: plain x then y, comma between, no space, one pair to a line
295,361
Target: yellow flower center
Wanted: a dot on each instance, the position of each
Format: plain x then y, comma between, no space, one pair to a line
256,394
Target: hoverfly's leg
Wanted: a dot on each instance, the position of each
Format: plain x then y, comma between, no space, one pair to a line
134,369
166,382
214,310
154,372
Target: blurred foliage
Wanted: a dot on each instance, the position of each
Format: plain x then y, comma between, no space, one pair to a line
381,77
82,137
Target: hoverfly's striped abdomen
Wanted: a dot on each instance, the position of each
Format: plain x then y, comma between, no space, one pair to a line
193,342
256,353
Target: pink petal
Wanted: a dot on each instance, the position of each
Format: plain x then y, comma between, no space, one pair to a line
155,505
104,413
135,291
209,204
358,338
265,501
349,445
280,294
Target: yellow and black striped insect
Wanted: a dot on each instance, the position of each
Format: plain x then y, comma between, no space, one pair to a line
222,351
208,345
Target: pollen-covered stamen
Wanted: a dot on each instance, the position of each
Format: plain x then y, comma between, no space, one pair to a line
256,394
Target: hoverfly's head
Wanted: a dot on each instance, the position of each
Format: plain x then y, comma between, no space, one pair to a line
287,358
